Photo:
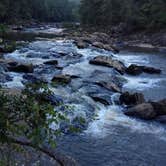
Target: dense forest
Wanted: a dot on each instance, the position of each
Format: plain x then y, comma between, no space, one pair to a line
140,14
42,10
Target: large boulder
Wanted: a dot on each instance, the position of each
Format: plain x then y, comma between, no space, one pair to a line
131,99
108,62
143,111
136,70
110,86
160,107
21,68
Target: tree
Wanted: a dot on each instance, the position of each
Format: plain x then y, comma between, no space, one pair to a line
140,14
42,10
25,120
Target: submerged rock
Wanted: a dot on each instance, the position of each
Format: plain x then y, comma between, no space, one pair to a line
143,111
110,86
31,78
101,98
109,62
51,62
63,79
161,119
136,70
131,99
5,78
53,99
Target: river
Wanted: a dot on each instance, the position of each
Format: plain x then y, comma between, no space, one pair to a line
109,138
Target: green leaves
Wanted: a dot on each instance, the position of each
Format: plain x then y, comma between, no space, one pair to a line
24,116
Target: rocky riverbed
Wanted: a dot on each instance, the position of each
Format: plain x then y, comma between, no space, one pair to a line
88,75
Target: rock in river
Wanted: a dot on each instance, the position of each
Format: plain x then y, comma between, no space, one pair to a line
81,44
109,62
110,86
64,79
149,110
131,99
143,111
51,62
101,98
160,107
21,68
107,47
136,70
151,70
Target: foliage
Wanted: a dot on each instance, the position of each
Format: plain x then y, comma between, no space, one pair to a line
26,116
42,10
140,14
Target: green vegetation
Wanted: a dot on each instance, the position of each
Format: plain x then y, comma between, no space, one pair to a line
42,10
25,119
137,14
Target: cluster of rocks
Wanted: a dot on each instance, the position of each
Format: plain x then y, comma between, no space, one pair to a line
136,70
96,39
108,62
136,104
121,68
138,107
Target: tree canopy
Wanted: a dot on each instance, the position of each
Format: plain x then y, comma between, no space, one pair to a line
42,10
141,14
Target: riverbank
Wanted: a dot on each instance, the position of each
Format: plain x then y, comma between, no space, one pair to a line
144,40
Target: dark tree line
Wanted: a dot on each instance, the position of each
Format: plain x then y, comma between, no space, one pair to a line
42,10
138,13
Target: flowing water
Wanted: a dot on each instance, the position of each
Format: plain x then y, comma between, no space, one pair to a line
109,138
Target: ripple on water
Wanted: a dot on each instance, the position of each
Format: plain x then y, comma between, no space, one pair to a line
141,83
109,118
